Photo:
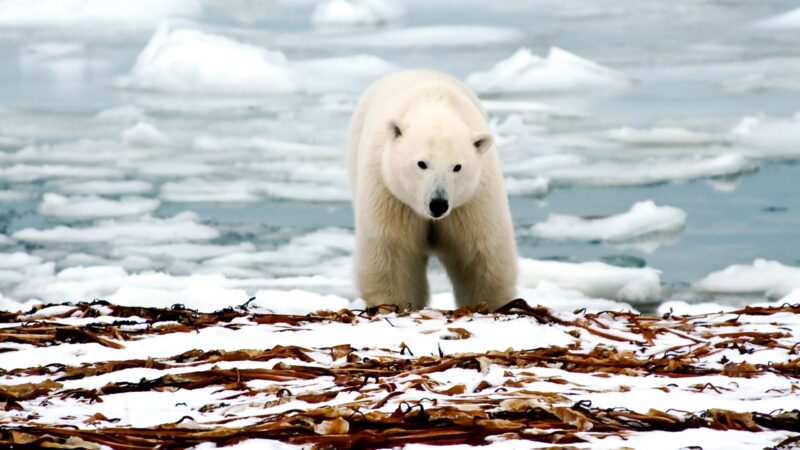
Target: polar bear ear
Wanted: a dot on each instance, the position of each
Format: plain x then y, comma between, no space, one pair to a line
395,129
482,142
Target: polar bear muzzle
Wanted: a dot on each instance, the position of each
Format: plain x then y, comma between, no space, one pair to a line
438,205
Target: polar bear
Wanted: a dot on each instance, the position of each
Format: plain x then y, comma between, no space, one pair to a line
426,181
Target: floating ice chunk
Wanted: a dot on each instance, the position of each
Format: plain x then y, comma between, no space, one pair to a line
339,72
268,148
549,294
530,107
10,195
302,302
770,137
174,168
7,304
103,187
650,171
306,191
202,295
25,172
185,251
427,37
179,228
561,71
205,292
84,152
536,186
594,279
126,114
5,240
190,61
144,135
46,50
306,250
18,260
681,308
787,20
762,277
44,13
357,12
644,218
199,190
661,136
93,206
791,298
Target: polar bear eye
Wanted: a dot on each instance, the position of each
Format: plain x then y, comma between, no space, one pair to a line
457,168
422,165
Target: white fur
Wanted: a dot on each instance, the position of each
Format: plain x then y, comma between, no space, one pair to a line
440,121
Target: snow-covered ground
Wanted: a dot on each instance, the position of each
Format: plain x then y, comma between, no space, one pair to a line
595,380
192,151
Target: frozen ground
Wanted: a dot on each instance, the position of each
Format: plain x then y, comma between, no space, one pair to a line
607,380
192,152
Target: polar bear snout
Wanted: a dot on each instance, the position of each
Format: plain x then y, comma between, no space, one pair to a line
438,207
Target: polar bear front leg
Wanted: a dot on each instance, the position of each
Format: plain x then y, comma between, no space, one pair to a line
391,273
478,251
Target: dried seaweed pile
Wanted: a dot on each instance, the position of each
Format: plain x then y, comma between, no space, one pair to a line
97,374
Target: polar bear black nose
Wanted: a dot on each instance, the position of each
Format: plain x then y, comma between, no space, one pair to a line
438,207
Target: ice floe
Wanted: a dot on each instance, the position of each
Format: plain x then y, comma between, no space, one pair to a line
434,36
787,20
594,279
107,187
769,137
93,206
643,219
123,114
202,190
27,172
650,170
191,61
83,152
79,13
357,12
144,135
181,227
536,186
10,195
560,71
661,136
770,278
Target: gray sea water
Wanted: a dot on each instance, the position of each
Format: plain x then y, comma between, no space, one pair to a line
701,66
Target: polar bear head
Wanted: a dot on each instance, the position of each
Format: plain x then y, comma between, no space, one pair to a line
432,161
